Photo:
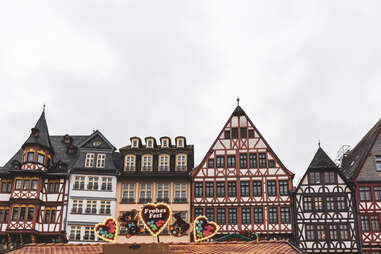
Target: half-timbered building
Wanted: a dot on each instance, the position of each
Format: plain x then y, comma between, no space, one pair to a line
155,172
92,188
34,189
241,183
325,219
362,166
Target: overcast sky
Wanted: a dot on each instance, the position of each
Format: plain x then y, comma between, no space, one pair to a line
304,70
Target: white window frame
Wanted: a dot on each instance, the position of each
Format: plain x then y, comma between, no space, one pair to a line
89,161
144,189
80,181
180,142
150,143
135,143
147,162
91,207
180,193
89,233
106,184
78,205
105,206
164,162
129,162
101,160
93,183
75,231
181,162
164,142
163,192
128,192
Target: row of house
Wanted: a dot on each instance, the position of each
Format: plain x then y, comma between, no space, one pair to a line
56,188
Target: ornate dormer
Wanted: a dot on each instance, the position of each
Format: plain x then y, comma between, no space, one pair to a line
165,142
37,149
150,142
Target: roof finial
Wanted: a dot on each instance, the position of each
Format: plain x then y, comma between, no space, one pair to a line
43,108
237,101
319,143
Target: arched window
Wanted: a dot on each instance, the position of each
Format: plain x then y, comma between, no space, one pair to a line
147,162
181,162
164,162
129,162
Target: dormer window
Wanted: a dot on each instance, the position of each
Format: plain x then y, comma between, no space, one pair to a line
147,162
181,162
378,163
134,143
30,156
150,143
164,162
89,162
40,158
164,143
101,160
180,142
130,162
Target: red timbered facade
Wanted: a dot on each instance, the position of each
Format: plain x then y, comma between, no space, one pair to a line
33,192
241,184
362,166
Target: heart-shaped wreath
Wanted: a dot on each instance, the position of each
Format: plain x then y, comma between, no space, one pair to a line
204,229
155,217
107,230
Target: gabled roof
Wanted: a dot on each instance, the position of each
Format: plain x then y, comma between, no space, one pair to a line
238,111
353,162
42,138
92,136
321,161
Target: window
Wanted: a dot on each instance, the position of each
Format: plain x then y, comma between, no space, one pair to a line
220,162
18,184
79,183
364,223
89,233
330,177
93,183
234,132
53,186
333,232
91,206
330,202
271,188
147,163
232,189
34,184
130,161
128,192
163,193
101,160
378,163
6,186
210,214
320,235
243,132
211,163
318,203
365,194
285,215
231,161
258,215
105,207
273,215
181,162
209,189
180,192
377,193
89,162
232,216
77,206
271,164
198,212
75,233
106,183
283,187
26,184
246,216
253,160
30,214
245,189
221,216
227,134
50,215
314,178
262,160
257,188
341,204
22,213
164,162
150,143
30,156
15,213
251,133
4,215
220,189
375,221
344,232
164,142
134,143
145,192
198,190
40,158
180,142
310,233
243,160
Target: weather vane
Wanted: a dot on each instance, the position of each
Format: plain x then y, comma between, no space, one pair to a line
237,101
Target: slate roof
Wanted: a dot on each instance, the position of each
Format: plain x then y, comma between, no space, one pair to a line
43,134
262,247
321,161
353,162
